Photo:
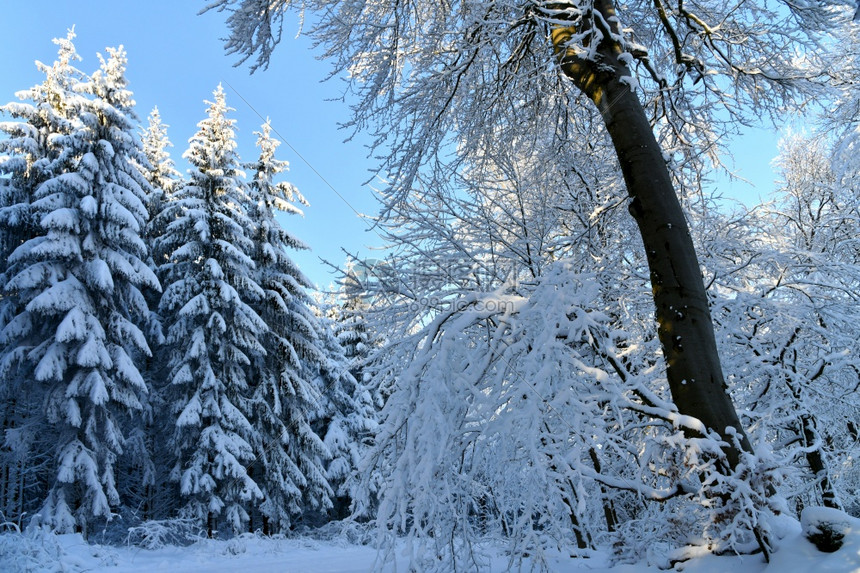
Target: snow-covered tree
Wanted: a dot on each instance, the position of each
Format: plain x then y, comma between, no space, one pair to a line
473,303
146,471
28,144
30,152
81,279
27,159
795,312
349,318
161,174
346,420
213,334
290,456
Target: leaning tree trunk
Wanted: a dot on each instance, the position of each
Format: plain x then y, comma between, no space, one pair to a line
683,316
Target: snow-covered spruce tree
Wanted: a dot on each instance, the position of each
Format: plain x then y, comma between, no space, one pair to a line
213,335
139,470
150,496
289,455
81,280
27,159
162,175
346,420
355,400
351,328
30,152
360,340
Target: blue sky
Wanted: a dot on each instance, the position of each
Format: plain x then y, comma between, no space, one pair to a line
176,59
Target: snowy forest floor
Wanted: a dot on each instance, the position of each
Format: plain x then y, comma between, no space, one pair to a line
70,553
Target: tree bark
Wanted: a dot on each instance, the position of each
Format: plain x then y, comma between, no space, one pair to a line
683,317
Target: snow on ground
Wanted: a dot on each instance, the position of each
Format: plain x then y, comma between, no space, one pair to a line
70,553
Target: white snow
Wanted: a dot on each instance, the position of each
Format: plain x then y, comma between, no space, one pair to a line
38,551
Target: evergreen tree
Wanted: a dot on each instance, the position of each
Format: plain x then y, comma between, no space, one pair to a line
350,326
162,175
213,335
346,419
27,159
81,281
290,456
355,398
149,493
